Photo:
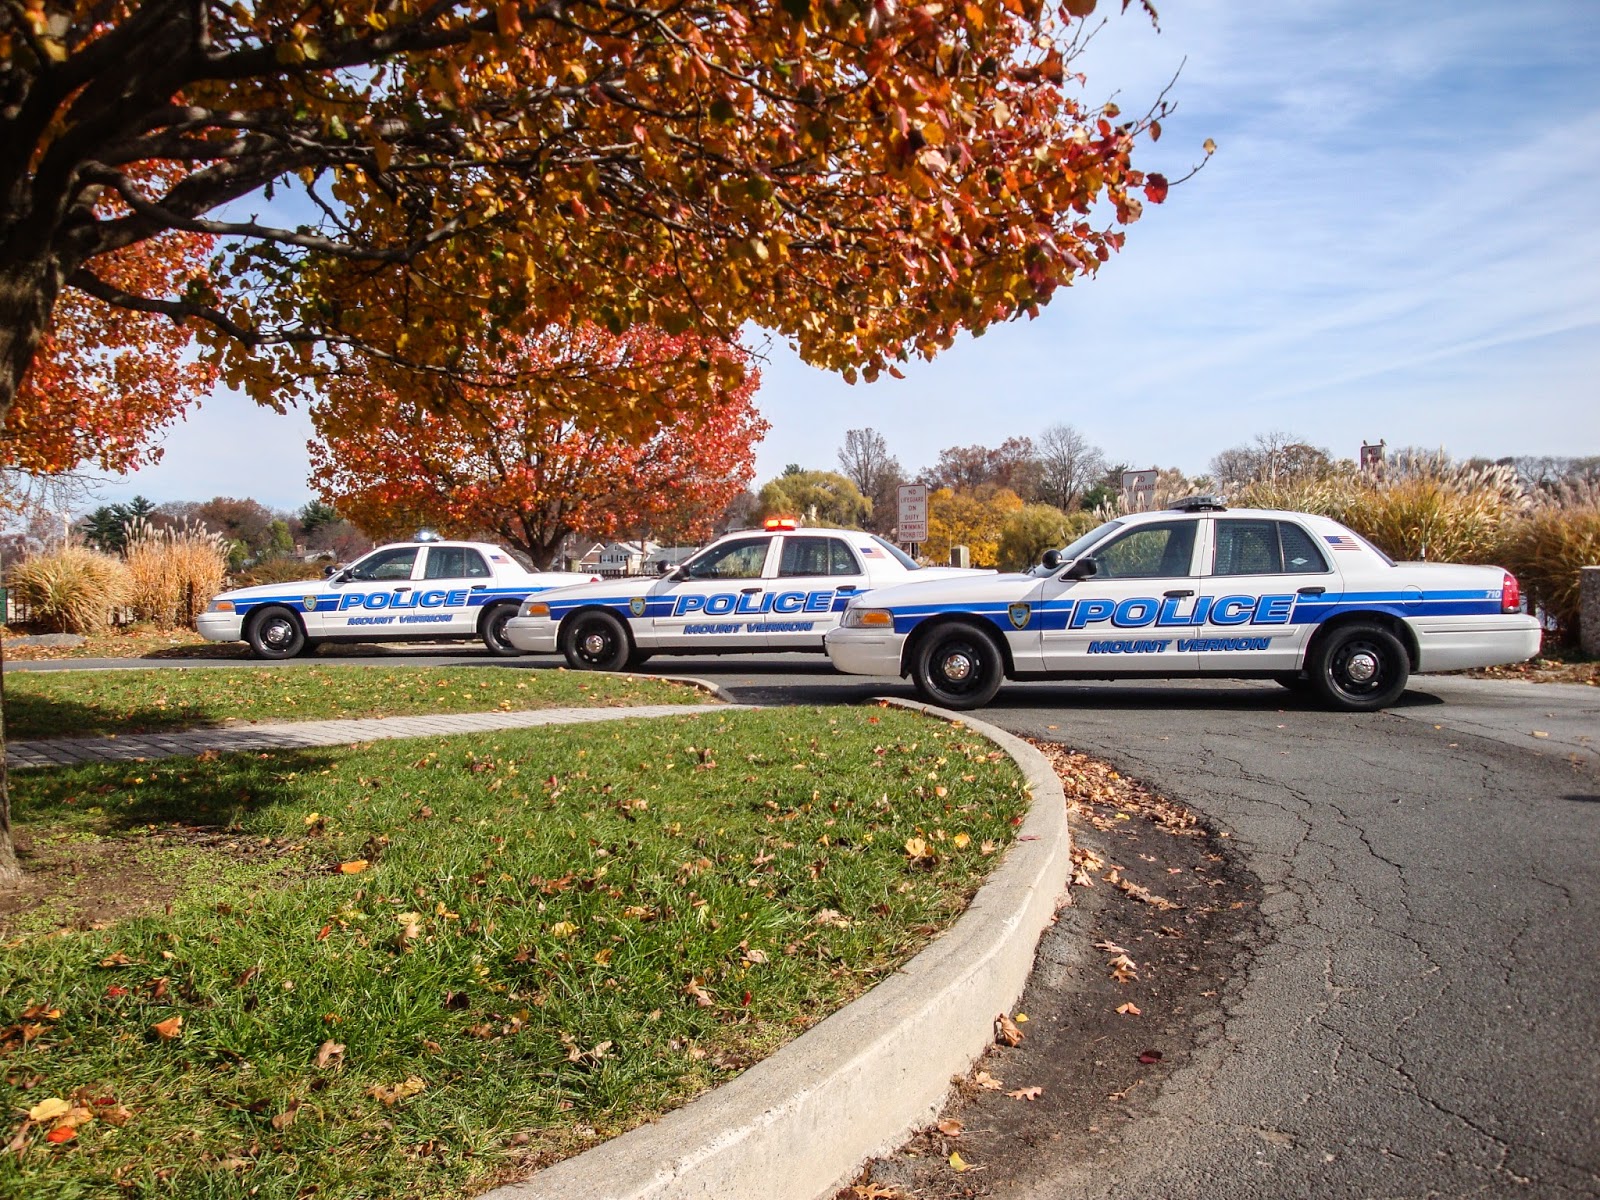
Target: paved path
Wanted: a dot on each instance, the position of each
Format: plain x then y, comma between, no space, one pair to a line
50,752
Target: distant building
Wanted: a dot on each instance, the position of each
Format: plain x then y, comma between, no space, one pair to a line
625,558
664,558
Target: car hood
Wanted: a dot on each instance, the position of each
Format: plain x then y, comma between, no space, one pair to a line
972,587
293,590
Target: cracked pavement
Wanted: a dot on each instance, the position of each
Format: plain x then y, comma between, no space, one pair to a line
1420,1017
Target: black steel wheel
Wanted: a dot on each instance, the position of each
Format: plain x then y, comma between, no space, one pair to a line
493,628
275,632
958,665
595,641
1359,668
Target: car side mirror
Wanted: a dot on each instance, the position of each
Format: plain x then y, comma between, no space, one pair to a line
1084,568
665,568
1051,560
329,570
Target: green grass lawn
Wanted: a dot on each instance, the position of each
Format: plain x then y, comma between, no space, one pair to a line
81,703
430,965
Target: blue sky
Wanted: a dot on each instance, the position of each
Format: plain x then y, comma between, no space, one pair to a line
1398,238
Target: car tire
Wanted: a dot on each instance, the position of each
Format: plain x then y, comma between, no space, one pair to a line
958,665
275,632
493,629
1294,681
1359,668
638,658
595,641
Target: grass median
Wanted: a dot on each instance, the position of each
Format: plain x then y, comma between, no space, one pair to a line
422,967
85,703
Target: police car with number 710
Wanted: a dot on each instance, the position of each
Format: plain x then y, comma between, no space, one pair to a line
1198,590
781,587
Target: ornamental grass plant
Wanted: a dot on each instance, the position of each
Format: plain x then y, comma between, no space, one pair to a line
1548,548
71,590
1422,507
173,572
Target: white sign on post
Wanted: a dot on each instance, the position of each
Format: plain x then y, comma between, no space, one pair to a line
912,520
1139,487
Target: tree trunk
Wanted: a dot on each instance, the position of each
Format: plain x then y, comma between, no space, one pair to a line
28,291
10,869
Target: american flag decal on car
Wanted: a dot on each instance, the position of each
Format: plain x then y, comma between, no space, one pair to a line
1342,541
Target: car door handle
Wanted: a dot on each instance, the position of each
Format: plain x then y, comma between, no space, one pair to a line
404,587
749,591
1178,593
1311,591
478,587
848,587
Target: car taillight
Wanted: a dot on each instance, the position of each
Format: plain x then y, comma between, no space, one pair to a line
1510,594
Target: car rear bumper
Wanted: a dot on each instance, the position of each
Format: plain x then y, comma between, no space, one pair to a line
864,651
532,635
1444,645
220,626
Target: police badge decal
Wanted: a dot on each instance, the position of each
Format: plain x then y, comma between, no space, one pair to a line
636,606
1020,615
310,603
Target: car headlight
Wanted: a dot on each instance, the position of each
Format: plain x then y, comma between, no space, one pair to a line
534,608
867,618
220,606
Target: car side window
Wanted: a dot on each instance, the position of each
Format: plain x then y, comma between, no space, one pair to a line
386,564
816,556
455,562
841,559
735,560
1265,547
1148,552
1300,550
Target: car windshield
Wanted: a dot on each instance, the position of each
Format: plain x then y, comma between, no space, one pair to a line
899,555
1094,535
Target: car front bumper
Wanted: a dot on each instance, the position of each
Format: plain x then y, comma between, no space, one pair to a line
220,626
1457,645
532,635
864,651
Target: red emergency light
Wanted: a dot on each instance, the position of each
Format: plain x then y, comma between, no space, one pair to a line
782,523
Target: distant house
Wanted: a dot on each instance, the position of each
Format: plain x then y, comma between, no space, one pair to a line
664,558
588,560
625,558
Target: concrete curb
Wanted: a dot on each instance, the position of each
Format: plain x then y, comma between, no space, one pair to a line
797,1125
705,685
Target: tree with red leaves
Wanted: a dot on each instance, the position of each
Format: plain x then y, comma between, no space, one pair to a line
527,464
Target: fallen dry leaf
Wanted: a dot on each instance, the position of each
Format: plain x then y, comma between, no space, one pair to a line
1129,1009
1006,1032
951,1127
985,1080
1027,1093
394,1093
957,1162
330,1054
286,1118
169,1029
1150,1056
354,867
49,1110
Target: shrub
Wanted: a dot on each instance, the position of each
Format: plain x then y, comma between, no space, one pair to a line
276,570
173,573
1548,549
71,590
1028,533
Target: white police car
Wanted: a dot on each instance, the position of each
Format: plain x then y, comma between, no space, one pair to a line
422,590
1200,591
776,588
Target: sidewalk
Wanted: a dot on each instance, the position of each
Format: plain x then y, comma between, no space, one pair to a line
293,735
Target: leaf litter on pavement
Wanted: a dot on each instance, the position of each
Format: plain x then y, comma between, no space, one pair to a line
1155,906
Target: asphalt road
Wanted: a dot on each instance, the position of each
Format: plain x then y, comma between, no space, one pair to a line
1422,1015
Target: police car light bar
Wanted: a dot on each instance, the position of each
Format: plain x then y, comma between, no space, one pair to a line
781,523
426,535
1209,503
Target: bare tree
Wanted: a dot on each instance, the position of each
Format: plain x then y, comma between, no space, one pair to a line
1275,457
864,460
1069,465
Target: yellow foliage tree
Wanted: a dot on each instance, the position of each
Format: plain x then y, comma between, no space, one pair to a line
972,519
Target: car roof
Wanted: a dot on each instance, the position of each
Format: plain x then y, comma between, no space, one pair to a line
1178,514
